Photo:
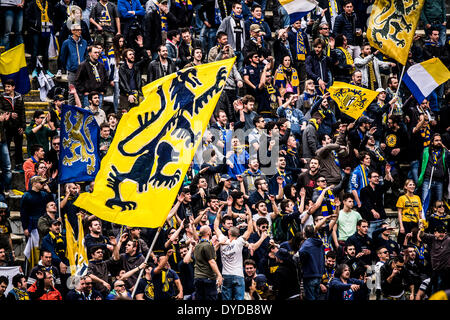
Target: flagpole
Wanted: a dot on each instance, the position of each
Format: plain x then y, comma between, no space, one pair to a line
398,87
146,259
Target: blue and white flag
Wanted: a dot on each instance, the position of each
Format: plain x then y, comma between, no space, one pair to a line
297,9
79,157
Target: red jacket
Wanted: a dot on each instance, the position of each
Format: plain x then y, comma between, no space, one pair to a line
37,292
29,171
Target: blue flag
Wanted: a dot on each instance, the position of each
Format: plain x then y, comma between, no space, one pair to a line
79,157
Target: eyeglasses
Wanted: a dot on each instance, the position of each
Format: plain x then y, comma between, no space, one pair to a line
322,180
88,283
385,252
325,28
120,285
439,206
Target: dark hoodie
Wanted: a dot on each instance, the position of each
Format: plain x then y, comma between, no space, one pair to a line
312,258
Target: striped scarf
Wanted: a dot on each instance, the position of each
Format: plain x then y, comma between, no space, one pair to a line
164,26
236,16
364,176
372,78
282,78
436,155
326,244
348,57
254,20
314,122
166,285
300,47
336,159
95,71
187,3
292,151
426,135
330,197
45,20
59,243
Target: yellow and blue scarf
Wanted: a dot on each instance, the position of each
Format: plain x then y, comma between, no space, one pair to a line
187,3
300,47
324,206
281,77
164,26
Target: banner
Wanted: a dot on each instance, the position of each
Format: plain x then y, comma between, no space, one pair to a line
78,159
75,250
423,78
297,9
392,25
9,272
154,144
351,100
13,65
31,251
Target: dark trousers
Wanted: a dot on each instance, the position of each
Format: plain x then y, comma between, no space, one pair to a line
205,289
39,47
13,135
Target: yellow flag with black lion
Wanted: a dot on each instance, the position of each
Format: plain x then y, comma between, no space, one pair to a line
392,24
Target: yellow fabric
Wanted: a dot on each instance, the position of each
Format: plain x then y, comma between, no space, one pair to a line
411,208
44,11
13,60
348,57
387,30
76,251
148,147
352,100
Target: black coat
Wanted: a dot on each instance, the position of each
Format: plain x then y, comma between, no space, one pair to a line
286,283
152,29
32,16
155,70
317,67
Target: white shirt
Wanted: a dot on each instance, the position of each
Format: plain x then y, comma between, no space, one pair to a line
231,253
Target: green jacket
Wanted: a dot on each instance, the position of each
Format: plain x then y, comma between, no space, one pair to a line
433,10
425,158
41,137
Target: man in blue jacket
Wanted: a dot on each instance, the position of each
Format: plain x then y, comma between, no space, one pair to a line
347,23
73,52
342,287
129,11
55,243
312,258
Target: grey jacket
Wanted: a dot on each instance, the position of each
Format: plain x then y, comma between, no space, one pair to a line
310,141
227,27
362,65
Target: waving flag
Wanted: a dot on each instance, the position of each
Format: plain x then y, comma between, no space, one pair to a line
423,78
14,66
76,251
298,8
351,100
31,251
79,160
392,25
153,147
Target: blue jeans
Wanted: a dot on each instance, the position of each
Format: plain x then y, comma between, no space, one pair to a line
85,100
205,289
312,288
436,190
116,96
208,37
233,287
414,171
197,23
284,17
5,163
13,22
373,225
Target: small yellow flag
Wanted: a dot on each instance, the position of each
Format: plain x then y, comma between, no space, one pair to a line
154,145
392,25
351,100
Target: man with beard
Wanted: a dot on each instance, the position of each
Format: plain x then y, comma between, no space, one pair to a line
328,275
45,222
130,82
131,259
94,107
161,66
435,163
96,239
251,175
260,194
164,278
381,238
91,76
280,179
342,287
362,242
308,179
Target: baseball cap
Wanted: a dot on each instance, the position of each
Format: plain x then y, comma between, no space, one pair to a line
226,176
3,205
380,90
58,97
56,222
365,119
37,179
255,28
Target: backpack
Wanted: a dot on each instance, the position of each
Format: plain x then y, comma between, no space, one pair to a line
278,233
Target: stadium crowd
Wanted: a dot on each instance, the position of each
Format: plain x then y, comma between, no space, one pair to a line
287,197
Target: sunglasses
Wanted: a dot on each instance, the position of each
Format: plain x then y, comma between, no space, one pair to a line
264,227
322,180
120,285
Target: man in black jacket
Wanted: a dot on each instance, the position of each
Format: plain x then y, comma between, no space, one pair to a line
395,279
130,80
91,76
347,24
371,197
155,33
286,283
161,66
362,242
12,102
187,47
